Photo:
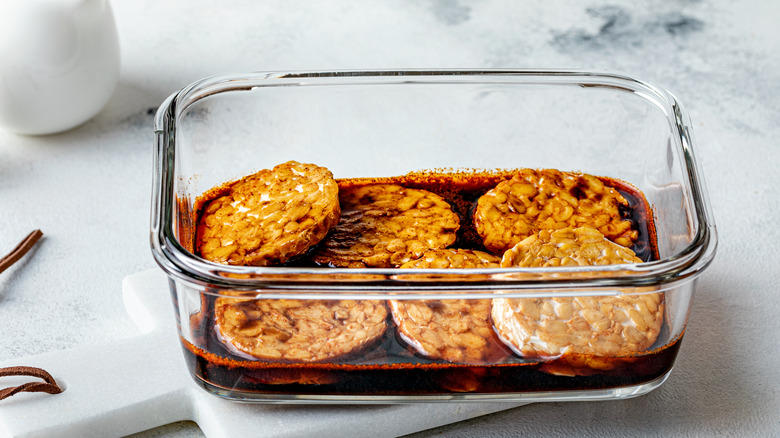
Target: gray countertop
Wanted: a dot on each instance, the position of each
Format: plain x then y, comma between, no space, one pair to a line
89,188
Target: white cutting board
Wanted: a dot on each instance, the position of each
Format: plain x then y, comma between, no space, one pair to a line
134,384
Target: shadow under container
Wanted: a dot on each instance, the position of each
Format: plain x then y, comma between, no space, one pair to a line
389,123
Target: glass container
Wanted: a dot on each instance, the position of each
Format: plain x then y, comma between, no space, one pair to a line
384,124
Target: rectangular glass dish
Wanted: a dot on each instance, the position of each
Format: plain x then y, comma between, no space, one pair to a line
386,126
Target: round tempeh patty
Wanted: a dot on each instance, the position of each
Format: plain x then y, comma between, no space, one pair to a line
269,217
549,199
386,225
596,325
300,330
453,330
583,246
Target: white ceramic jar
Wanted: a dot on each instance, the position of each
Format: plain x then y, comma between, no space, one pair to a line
59,63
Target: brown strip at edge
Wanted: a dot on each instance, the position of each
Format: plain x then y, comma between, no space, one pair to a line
49,387
21,249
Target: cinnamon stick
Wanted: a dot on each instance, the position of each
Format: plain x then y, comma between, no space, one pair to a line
20,250
48,385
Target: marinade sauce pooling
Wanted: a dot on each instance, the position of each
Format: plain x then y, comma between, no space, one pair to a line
391,367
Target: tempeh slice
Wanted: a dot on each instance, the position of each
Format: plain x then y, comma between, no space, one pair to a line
454,330
593,325
386,225
269,217
549,199
300,330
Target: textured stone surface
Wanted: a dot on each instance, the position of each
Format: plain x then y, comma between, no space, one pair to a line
88,189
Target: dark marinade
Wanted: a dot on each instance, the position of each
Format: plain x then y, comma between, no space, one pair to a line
391,368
